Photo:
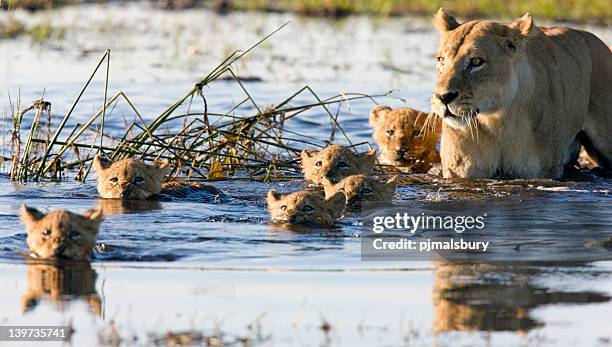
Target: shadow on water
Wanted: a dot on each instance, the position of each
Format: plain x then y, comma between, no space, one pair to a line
60,284
487,297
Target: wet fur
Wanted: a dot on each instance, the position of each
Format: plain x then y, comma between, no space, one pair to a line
305,207
334,163
360,188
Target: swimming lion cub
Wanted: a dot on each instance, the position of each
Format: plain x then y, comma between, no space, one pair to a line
334,163
406,137
134,179
60,233
305,207
359,188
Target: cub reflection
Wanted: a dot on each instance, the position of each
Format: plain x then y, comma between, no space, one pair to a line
484,297
60,284
119,206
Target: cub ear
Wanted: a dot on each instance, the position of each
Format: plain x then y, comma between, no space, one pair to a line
377,115
308,153
444,22
163,165
273,196
336,204
30,214
392,182
94,214
367,161
101,163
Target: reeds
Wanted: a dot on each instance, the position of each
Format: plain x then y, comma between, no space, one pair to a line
206,145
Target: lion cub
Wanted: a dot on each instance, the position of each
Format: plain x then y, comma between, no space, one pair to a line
134,179
360,188
305,207
334,163
406,138
60,233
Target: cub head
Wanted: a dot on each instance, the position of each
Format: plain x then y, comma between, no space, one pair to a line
478,66
305,207
60,233
404,135
334,163
129,178
359,188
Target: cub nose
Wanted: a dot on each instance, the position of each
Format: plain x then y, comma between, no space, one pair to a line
447,98
401,152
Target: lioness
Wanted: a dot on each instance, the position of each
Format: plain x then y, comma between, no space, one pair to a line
519,100
334,163
134,179
305,207
60,233
359,188
406,137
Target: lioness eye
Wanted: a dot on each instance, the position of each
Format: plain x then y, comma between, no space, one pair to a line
476,62
114,180
138,179
319,163
307,208
46,232
390,132
284,207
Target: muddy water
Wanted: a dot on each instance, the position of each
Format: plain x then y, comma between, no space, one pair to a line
218,267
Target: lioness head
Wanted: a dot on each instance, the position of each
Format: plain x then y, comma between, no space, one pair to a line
405,136
305,207
360,188
477,70
334,163
60,233
129,178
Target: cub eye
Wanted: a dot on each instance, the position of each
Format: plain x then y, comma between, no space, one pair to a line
342,190
75,235
46,232
307,208
114,180
319,163
416,133
138,179
475,62
366,191
284,207
342,164
440,59
390,132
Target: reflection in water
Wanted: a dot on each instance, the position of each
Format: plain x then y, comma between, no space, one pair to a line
61,283
119,206
475,297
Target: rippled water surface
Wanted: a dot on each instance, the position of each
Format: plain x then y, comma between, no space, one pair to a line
218,267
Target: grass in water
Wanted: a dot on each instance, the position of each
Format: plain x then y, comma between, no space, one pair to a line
200,143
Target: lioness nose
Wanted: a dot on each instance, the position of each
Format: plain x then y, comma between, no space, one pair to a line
447,98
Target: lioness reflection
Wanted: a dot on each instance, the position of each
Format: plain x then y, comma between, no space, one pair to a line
60,284
483,297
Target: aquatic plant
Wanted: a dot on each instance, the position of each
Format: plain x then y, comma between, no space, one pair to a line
204,145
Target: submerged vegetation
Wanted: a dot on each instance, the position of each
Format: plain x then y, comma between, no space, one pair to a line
200,143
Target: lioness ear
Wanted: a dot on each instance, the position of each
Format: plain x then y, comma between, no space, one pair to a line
336,204
444,22
523,28
163,165
101,163
30,214
93,214
273,196
524,24
377,114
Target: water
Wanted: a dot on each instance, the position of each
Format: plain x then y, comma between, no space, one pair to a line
218,267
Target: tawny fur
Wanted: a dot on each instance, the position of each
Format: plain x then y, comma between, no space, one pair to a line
305,207
527,98
406,138
134,179
334,163
60,233
360,188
